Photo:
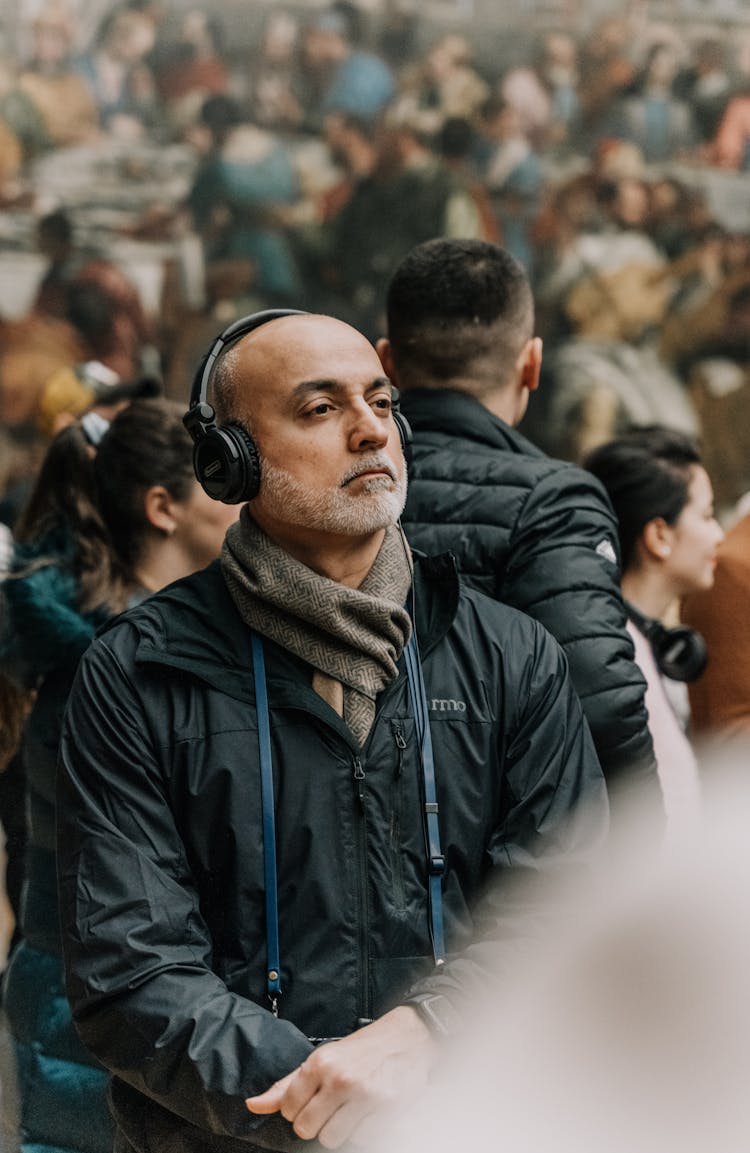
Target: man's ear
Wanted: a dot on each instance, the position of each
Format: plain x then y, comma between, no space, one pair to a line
529,364
384,351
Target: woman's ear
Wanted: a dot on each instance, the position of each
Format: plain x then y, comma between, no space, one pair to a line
657,538
158,507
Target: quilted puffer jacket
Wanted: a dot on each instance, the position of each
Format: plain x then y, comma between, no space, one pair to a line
538,534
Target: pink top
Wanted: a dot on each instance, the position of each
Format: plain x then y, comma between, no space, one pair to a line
676,763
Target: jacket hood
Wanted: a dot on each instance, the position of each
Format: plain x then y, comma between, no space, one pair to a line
458,413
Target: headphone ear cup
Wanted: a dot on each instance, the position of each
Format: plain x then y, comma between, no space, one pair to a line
680,652
404,433
227,464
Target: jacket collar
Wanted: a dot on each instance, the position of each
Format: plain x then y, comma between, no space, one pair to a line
435,593
457,413
194,626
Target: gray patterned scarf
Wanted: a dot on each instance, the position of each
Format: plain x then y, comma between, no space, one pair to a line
353,638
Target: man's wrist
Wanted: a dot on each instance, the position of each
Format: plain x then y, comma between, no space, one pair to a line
437,1013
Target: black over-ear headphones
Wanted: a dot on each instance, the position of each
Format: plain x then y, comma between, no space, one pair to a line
225,457
680,653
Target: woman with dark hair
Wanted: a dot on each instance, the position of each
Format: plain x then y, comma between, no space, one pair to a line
663,499
116,513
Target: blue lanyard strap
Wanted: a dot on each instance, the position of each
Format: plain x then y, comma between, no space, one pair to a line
435,858
273,965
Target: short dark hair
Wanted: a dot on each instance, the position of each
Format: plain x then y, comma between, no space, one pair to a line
220,114
91,311
647,473
451,302
56,226
456,138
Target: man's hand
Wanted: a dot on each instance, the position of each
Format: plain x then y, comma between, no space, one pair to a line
344,1082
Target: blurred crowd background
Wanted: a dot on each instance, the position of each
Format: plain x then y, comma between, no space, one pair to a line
165,167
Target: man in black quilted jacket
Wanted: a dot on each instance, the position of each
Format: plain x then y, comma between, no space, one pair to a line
533,532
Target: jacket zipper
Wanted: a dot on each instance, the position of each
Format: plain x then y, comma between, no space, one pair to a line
360,783
359,777
396,862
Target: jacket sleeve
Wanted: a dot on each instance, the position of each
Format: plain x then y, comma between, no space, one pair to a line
564,571
551,828
137,951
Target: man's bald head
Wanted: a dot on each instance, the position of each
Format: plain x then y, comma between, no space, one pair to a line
276,350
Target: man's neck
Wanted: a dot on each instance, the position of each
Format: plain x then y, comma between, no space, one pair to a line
344,559
501,402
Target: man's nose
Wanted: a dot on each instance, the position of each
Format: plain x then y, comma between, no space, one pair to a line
368,429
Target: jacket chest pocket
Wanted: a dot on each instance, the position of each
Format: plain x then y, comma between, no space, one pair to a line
215,788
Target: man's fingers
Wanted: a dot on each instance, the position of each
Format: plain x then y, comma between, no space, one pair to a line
345,1082
289,1096
270,1101
341,1125
310,1098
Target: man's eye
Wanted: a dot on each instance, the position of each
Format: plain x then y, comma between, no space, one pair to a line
382,402
319,409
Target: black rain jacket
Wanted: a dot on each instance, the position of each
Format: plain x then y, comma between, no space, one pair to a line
541,535
161,857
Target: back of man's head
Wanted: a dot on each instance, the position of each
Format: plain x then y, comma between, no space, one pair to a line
459,312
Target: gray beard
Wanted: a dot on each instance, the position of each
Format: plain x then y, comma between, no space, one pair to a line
378,503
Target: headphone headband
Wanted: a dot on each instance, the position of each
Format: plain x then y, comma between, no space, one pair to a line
647,625
232,333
